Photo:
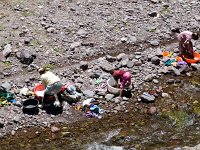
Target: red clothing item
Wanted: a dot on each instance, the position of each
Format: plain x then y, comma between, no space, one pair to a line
118,74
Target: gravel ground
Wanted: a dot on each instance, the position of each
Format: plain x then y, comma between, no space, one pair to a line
61,34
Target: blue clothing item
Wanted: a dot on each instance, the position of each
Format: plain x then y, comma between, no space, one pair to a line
94,108
71,89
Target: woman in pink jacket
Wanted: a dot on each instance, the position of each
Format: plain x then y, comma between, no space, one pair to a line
185,43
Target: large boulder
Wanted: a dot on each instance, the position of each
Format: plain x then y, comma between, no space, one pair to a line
25,57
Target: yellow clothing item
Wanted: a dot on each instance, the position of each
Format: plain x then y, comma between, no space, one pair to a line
49,78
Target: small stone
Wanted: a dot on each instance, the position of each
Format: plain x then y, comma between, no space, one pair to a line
154,43
152,110
7,50
153,14
170,81
13,132
155,81
109,96
27,40
165,95
146,97
16,119
84,65
75,45
6,85
155,60
88,93
124,40
66,134
118,108
51,30
130,64
24,91
54,129
2,123
197,17
110,58
149,77
82,32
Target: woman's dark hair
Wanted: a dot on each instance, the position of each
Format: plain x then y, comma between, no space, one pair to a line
112,71
195,36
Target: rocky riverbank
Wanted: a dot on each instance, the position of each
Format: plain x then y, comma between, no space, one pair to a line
129,35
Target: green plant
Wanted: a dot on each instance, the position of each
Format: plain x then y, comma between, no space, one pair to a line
27,13
7,64
57,49
48,66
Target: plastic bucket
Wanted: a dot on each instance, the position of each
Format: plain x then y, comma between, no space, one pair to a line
195,60
110,87
37,88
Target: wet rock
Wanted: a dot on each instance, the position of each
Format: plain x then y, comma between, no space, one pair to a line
152,110
7,50
54,129
147,98
88,93
109,96
149,77
66,134
174,70
155,60
6,85
25,57
84,65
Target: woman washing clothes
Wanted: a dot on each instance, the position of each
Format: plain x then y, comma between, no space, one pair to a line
124,77
185,43
52,85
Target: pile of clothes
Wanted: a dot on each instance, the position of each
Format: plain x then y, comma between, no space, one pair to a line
6,97
91,108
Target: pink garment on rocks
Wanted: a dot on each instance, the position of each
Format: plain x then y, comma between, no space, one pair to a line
125,78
